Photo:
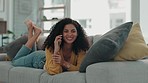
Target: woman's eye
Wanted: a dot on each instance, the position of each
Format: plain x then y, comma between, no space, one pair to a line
73,31
65,31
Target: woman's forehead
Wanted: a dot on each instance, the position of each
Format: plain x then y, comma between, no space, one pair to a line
69,26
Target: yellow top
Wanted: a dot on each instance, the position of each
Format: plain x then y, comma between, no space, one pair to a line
54,68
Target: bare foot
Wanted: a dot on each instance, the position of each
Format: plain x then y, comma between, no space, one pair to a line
29,24
37,30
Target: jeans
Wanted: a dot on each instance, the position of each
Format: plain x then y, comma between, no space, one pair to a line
29,58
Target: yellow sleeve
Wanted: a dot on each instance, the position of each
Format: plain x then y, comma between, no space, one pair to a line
51,67
79,60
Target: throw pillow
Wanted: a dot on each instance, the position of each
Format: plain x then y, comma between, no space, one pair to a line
107,46
13,47
135,47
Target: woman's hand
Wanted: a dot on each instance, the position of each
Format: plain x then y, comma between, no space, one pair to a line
57,43
57,58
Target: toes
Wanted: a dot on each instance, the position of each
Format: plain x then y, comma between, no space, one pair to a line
28,23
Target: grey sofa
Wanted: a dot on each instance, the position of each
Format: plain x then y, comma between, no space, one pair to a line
104,72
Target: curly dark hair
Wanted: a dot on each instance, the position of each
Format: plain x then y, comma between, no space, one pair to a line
80,44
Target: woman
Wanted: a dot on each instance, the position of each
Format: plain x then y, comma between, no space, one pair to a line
27,56
65,47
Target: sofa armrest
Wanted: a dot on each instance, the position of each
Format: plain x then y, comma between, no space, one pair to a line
118,72
3,56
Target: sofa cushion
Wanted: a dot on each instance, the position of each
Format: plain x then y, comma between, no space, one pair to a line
40,42
107,46
90,40
118,72
5,67
96,38
69,77
46,78
25,75
135,47
13,47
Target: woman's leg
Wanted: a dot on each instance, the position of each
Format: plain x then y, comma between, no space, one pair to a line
27,49
32,37
21,56
29,25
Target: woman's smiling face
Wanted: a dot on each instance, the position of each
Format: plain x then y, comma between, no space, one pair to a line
69,33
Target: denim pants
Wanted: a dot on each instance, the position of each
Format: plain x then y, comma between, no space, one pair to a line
29,58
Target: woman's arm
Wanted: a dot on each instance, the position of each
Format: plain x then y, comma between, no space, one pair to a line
72,67
50,66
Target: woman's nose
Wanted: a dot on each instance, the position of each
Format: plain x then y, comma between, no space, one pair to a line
69,33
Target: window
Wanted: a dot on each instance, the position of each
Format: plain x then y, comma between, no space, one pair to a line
53,11
96,17
100,16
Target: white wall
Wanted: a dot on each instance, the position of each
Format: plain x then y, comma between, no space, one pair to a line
3,14
144,18
6,15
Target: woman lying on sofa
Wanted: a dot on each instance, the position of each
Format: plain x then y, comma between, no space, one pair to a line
65,47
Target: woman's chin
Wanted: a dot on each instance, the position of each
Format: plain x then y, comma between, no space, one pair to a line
69,42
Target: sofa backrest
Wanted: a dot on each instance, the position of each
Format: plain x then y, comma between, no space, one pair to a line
91,39
40,42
